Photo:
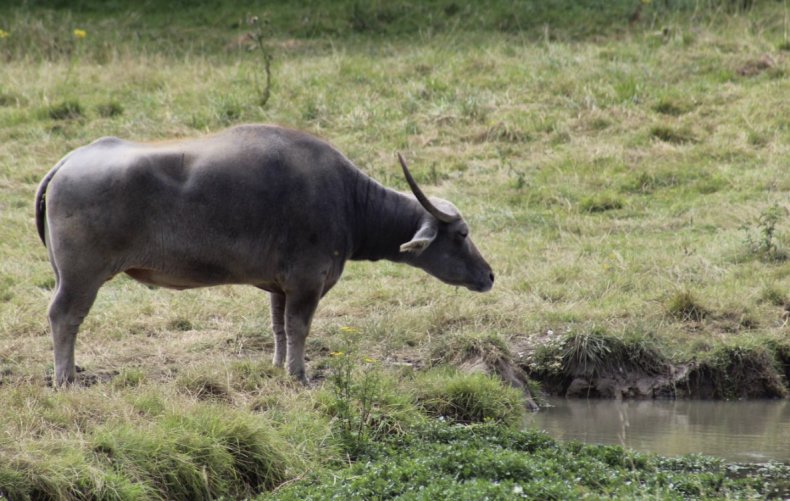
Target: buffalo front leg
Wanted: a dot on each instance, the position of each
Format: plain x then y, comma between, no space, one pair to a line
299,310
69,307
278,326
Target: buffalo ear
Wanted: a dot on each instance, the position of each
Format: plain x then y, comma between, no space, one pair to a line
423,238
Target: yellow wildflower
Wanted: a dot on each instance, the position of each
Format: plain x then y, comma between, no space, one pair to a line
369,360
80,34
349,330
3,34
336,354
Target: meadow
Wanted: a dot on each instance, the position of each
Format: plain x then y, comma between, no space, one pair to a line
622,166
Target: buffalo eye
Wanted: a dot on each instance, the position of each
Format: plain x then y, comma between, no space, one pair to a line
463,233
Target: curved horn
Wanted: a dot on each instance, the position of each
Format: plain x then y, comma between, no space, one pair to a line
435,212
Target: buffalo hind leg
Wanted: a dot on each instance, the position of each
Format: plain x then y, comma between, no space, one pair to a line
278,326
71,303
299,310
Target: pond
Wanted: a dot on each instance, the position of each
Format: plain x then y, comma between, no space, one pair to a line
740,431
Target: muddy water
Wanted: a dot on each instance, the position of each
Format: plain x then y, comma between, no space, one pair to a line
743,431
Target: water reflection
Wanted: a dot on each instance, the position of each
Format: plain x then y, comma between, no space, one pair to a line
753,431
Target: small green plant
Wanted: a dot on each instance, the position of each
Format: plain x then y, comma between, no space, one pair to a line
670,107
764,245
203,386
65,110
250,375
110,109
6,283
78,38
684,306
259,34
180,324
130,377
774,295
355,394
520,180
600,203
671,135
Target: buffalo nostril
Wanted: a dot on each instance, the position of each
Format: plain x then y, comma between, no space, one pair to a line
491,276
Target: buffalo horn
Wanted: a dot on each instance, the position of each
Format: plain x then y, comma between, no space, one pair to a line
432,209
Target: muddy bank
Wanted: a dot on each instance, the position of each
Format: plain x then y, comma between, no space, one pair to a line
596,365
689,380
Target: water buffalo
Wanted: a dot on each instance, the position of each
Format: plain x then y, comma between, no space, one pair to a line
261,205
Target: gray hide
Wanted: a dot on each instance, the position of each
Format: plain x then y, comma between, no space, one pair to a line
265,206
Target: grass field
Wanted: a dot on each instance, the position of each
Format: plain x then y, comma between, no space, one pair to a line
623,167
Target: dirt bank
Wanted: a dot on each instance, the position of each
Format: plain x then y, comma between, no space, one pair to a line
599,366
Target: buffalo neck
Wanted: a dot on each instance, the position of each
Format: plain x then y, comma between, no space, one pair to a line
384,219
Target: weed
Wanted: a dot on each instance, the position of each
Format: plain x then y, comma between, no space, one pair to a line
6,284
647,182
670,107
764,245
505,133
354,401
249,375
473,109
65,110
129,378
9,99
110,109
149,404
774,295
260,35
672,135
758,138
601,202
520,180
684,306
203,386
365,404
180,324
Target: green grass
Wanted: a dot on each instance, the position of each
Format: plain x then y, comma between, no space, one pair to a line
144,443
627,180
468,399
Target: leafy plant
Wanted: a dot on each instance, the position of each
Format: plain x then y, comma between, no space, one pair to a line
686,307
601,202
110,109
353,402
65,110
259,35
761,241
366,404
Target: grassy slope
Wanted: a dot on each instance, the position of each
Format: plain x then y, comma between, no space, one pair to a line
604,168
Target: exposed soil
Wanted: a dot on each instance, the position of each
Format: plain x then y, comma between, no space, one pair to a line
734,380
